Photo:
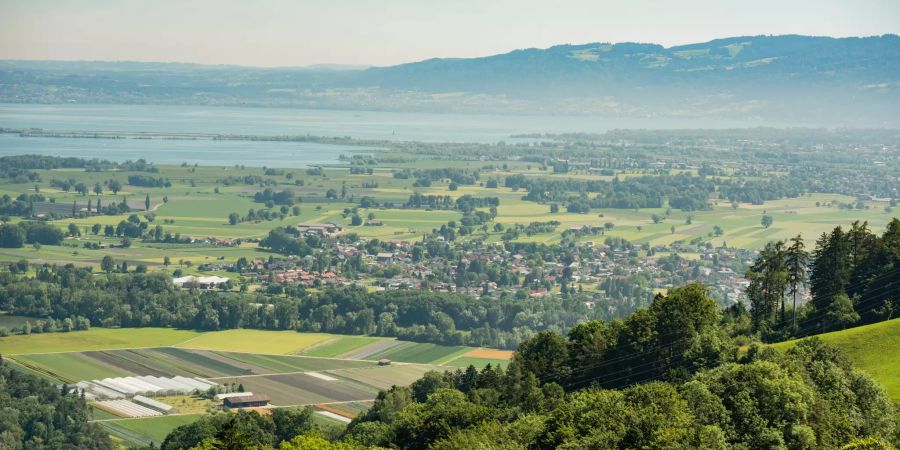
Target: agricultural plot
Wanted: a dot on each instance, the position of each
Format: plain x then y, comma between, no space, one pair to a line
417,353
283,364
336,372
341,346
386,376
366,351
480,357
93,339
146,431
70,367
257,341
302,389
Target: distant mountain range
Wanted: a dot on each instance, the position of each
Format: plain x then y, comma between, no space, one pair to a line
791,79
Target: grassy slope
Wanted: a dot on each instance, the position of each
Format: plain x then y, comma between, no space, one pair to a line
874,348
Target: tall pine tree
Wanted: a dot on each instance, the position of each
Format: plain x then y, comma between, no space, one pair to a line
831,270
795,260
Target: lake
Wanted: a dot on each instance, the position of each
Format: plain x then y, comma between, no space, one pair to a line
429,127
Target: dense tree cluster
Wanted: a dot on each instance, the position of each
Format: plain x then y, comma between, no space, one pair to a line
424,177
682,191
241,430
691,391
150,299
35,414
853,276
285,197
465,203
148,181
15,235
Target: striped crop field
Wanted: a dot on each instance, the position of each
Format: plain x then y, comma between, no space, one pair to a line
414,352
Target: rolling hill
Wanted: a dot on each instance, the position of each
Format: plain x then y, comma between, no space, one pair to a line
873,348
793,80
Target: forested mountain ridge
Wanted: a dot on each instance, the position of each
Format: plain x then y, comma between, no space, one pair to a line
808,80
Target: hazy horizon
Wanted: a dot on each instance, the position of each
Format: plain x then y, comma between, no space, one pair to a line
277,33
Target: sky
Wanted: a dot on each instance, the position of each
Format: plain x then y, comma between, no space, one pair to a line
383,32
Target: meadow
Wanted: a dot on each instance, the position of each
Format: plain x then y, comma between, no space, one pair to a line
872,348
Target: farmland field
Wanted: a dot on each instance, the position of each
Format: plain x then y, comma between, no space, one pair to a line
304,363
418,353
287,379
146,431
302,389
340,346
250,341
68,367
93,339
385,377
221,357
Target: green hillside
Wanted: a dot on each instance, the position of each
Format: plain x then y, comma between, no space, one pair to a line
874,348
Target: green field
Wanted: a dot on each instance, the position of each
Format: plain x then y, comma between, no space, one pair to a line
304,363
872,348
419,353
339,346
93,339
68,367
257,341
146,431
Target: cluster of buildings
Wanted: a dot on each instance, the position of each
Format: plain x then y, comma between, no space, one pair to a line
207,282
127,387
499,271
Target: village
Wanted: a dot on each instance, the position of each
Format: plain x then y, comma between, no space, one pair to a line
612,273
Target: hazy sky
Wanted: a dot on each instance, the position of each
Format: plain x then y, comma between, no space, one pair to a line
370,32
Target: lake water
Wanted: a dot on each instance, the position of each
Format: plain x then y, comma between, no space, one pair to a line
278,121
168,151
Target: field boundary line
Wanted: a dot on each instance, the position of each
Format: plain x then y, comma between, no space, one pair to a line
444,363
314,346
189,340
453,356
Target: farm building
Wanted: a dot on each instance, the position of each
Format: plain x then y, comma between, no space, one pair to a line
384,362
246,401
153,404
126,408
232,395
321,229
191,281
144,385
